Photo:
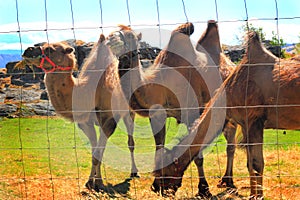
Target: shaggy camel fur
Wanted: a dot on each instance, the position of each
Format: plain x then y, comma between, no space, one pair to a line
262,91
173,87
87,99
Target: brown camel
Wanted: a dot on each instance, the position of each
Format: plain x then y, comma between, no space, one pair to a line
175,86
262,91
87,100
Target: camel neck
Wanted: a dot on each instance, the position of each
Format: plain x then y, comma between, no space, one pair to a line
60,89
203,132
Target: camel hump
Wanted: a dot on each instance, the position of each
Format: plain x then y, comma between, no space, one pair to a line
211,33
211,24
259,54
210,39
253,37
187,28
101,38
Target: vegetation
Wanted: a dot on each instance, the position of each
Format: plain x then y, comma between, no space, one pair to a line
259,30
275,41
50,158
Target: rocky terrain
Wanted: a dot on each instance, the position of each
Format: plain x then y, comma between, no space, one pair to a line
23,93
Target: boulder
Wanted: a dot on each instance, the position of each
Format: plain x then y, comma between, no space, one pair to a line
8,110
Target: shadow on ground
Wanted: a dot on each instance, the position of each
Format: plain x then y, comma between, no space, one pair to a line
111,191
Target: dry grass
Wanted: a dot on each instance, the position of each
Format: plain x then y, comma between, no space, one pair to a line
281,181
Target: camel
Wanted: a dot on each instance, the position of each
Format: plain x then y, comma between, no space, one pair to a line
174,86
262,92
87,99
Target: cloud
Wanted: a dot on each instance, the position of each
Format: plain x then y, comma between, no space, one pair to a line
35,32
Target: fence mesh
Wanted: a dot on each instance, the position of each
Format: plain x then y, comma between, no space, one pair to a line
44,156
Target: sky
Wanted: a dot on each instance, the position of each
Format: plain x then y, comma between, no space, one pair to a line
27,22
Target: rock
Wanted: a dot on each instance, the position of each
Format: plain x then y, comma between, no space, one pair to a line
235,53
276,50
42,85
82,52
21,76
44,96
25,102
2,96
42,108
17,82
17,95
8,110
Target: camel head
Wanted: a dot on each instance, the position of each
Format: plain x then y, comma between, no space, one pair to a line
124,42
51,57
167,178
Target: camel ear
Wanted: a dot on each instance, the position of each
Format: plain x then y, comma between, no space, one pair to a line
69,50
139,36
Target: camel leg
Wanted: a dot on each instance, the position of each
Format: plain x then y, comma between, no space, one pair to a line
229,133
255,159
90,132
203,187
159,137
158,118
129,123
107,127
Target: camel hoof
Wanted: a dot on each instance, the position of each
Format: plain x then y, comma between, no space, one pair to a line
99,186
226,184
90,184
155,187
134,175
204,194
233,191
207,195
96,185
203,190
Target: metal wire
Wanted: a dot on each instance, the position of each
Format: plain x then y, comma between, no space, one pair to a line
159,25
19,130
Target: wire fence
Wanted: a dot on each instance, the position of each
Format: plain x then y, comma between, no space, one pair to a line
50,158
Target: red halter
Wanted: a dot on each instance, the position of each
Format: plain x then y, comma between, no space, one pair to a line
45,57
